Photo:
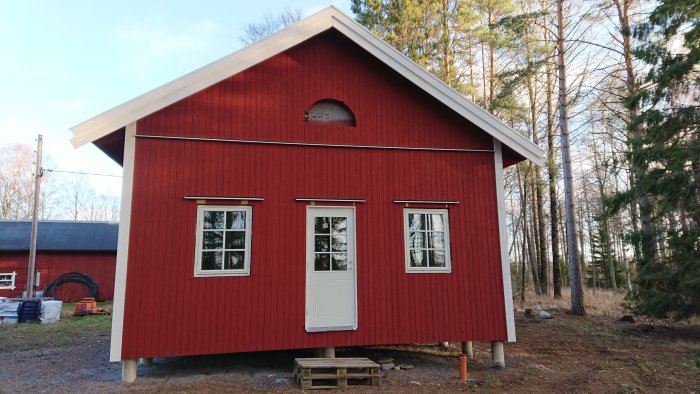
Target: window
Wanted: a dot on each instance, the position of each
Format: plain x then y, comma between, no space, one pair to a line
223,240
7,280
330,111
427,233
330,243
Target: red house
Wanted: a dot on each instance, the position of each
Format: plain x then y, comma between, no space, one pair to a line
315,189
89,248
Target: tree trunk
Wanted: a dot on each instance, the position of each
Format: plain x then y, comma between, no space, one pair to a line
552,170
538,201
527,241
649,251
492,56
577,302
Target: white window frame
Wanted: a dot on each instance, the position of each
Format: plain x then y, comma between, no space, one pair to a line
198,271
13,277
448,257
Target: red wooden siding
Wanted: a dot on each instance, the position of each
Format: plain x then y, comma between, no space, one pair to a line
169,312
99,266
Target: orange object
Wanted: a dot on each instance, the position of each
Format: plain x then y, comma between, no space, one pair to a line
81,308
463,367
90,302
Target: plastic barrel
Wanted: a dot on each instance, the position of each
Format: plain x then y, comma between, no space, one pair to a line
29,311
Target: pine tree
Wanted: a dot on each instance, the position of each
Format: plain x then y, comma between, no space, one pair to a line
666,155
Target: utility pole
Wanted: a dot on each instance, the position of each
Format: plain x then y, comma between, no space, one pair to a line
38,173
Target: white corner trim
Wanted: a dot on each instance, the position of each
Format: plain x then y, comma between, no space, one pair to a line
141,106
503,236
115,347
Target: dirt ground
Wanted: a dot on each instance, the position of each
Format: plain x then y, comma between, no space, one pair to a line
564,354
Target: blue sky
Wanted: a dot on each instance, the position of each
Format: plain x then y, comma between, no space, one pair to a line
62,62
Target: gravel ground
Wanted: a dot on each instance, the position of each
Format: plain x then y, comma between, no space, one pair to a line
565,354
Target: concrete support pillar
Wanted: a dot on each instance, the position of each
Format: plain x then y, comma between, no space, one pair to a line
444,344
324,352
468,349
497,356
147,362
129,370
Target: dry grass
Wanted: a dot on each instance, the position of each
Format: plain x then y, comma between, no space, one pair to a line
603,303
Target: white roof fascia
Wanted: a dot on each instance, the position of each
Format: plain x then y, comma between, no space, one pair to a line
238,61
158,98
437,88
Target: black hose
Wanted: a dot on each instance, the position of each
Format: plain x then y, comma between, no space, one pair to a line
74,277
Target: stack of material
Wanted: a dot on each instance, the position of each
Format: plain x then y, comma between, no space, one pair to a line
50,311
330,373
8,312
88,306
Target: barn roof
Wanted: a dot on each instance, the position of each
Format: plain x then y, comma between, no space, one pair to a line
329,18
59,236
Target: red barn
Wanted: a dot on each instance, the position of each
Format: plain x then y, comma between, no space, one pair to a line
315,189
63,247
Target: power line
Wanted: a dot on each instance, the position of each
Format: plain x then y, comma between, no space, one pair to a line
82,173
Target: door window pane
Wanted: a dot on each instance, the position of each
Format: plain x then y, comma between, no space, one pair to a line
340,225
340,243
322,243
322,225
340,262
322,262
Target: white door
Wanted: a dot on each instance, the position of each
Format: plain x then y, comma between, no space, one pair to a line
331,286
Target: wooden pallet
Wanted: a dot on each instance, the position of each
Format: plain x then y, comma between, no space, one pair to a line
333,373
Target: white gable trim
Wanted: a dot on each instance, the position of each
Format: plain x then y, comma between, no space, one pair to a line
115,347
150,102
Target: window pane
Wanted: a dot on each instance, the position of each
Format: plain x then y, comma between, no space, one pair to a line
416,222
234,260
418,258
340,225
340,243
213,240
211,260
322,243
437,258
340,262
436,240
235,220
417,240
322,225
235,240
213,220
436,222
322,262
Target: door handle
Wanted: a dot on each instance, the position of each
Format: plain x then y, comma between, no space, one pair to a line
349,265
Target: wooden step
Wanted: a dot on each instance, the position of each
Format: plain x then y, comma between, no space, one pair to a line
323,373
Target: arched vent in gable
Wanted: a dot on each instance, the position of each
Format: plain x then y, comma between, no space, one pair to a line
330,111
